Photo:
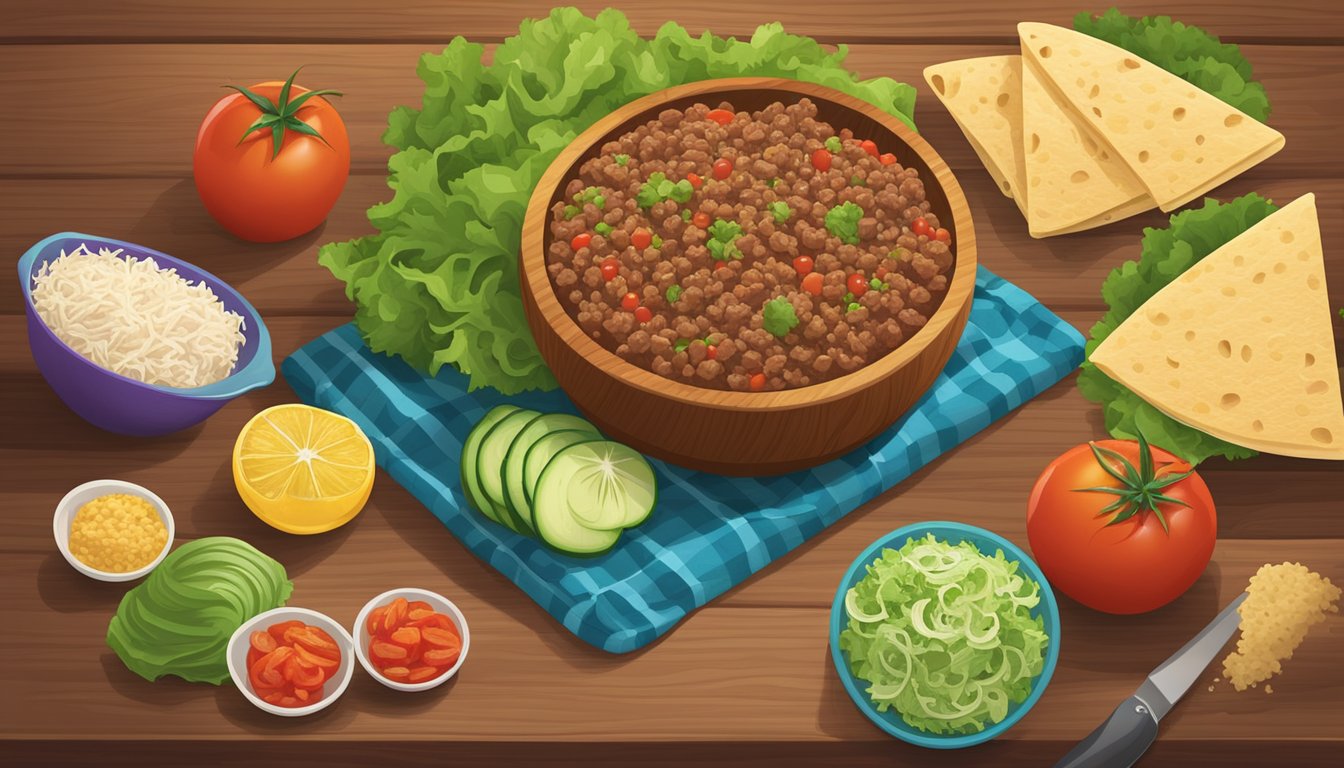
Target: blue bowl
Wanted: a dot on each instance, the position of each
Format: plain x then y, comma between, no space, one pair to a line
121,404
953,533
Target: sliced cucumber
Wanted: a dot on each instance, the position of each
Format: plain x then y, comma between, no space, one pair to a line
490,462
589,492
471,485
519,488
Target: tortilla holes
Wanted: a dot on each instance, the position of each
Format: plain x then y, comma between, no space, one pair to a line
1130,63
1286,236
1035,142
1189,335
1096,90
1259,278
1258,425
1178,114
1225,348
1313,282
1002,101
1317,387
1143,156
1160,318
1201,407
1096,111
1232,120
1229,291
939,84
1045,52
1138,367
1173,362
1322,435
1230,400
1310,360
1079,177
1245,354
1280,267
1199,139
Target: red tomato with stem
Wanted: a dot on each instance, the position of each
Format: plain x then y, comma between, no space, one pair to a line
1121,527
271,160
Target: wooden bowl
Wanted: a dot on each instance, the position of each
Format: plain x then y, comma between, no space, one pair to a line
746,433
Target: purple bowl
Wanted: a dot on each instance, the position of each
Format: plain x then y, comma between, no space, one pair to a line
123,405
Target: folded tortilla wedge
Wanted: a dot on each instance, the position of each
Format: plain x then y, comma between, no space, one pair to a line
983,96
1074,181
1240,346
1179,140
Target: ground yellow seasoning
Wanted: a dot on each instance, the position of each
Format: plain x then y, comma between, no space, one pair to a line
117,533
1284,601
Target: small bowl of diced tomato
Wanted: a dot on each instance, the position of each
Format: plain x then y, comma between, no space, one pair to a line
291,661
411,639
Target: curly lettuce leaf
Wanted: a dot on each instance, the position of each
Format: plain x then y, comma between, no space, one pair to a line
1166,254
1188,52
438,284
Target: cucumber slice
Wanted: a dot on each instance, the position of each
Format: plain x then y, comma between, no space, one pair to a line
589,489
471,485
490,462
519,488
515,497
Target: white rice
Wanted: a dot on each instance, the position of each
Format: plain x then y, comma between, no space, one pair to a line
131,317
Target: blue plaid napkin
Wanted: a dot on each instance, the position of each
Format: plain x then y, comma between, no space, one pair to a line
708,532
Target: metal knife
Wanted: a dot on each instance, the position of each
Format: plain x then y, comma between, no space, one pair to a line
1132,727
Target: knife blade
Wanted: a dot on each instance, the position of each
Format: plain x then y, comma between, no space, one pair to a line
1132,727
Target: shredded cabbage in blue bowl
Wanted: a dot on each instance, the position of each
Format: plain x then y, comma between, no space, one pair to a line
944,634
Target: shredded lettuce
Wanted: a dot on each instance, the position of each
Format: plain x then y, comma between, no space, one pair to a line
1166,255
1188,52
944,635
438,284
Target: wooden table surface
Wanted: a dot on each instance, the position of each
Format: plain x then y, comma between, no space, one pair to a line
101,104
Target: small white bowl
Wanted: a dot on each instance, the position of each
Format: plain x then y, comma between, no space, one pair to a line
441,604
331,691
83,494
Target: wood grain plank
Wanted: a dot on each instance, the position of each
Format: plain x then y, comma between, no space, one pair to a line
697,683
283,279
985,481
428,21
102,127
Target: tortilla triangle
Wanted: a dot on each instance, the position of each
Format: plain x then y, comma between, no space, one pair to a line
1074,182
1179,140
983,96
1240,346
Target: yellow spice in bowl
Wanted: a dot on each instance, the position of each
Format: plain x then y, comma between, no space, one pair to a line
117,533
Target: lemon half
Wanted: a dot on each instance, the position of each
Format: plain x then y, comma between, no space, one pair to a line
302,469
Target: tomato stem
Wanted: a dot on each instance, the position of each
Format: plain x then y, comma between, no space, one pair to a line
1139,489
281,115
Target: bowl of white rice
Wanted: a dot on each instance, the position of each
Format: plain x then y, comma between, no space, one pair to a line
135,341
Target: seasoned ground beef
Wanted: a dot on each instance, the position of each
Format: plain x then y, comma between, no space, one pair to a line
750,252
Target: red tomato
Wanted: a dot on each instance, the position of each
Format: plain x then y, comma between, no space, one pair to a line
711,351
812,283
720,116
630,301
254,191
695,180
757,382
821,160
920,226
701,220
802,265
1124,561
886,158
720,265
643,314
856,284
641,238
943,235
723,168
610,269
867,145
581,240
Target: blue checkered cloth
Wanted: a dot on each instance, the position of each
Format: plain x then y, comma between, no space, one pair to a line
709,532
